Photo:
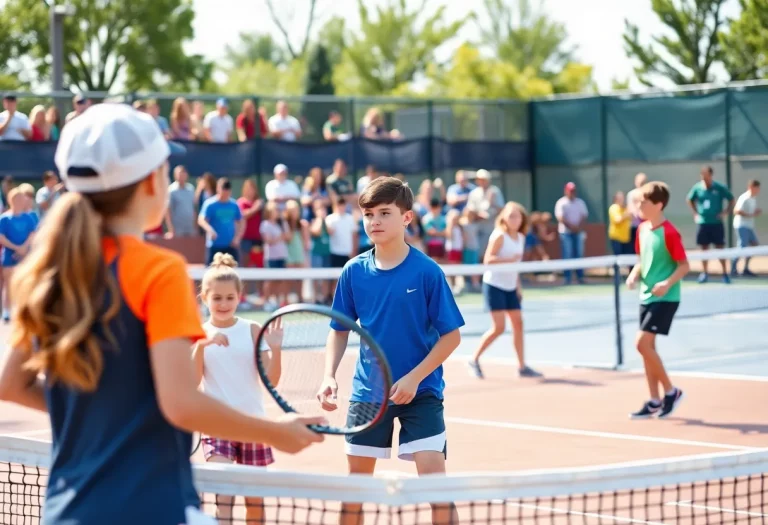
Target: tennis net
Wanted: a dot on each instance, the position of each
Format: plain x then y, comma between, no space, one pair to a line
718,488
599,316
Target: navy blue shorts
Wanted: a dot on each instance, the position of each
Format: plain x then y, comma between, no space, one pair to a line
213,250
497,299
422,428
707,234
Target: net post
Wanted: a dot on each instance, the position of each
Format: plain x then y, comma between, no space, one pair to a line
617,312
728,172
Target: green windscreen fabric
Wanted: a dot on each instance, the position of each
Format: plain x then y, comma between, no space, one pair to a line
665,129
749,122
567,132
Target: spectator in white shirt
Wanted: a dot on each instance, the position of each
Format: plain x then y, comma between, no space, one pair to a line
745,211
218,125
571,213
13,124
342,228
487,201
281,189
284,126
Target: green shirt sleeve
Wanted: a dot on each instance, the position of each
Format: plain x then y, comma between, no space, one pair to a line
694,193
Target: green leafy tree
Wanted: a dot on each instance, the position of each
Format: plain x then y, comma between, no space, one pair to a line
319,73
524,36
473,76
333,37
745,44
139,42
266,79
687,55
253,47
319,81
394,46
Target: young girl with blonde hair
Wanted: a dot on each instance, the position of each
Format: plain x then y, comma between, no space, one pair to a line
102,333
502,289
224,361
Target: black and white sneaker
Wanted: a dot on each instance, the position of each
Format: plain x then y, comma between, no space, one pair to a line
670,402
650,409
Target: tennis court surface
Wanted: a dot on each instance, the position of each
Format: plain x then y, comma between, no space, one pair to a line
560,449
552,450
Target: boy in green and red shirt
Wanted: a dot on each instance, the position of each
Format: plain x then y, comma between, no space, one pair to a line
662,265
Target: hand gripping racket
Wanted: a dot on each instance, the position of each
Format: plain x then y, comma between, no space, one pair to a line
363,375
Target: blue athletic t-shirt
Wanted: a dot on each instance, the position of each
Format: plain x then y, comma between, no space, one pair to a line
406,309
17,229
221,215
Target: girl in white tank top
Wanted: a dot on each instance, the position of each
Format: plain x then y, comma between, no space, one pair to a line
501,287
225,365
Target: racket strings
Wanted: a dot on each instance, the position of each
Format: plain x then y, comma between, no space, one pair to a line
362,376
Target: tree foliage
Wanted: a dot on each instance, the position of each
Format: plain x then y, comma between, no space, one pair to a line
319,73
525,37
139,42
470,75
333,37
393,47
688,54
262,78
252,47
745,44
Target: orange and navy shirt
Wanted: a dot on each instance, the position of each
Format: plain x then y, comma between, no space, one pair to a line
115,457
660,250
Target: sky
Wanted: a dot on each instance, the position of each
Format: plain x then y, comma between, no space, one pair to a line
595,27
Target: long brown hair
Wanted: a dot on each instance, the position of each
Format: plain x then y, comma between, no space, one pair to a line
501,223
61,289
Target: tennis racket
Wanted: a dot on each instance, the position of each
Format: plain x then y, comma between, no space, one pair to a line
363,384
196,440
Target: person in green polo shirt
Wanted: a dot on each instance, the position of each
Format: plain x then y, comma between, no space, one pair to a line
706,200
663,263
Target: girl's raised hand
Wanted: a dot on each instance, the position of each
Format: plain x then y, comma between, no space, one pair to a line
218,339
274,334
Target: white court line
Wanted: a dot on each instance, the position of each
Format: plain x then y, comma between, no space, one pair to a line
691,505
509,361
595,433
710,375
26,433
724,356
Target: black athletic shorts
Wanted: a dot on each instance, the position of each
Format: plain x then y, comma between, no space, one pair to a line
656,317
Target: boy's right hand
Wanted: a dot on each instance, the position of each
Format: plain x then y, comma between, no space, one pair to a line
292,433
327,394
632,280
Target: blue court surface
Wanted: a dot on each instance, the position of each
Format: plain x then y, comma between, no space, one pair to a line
719,328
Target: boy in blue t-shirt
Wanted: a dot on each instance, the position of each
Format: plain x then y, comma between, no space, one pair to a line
402,298
16,229
222,221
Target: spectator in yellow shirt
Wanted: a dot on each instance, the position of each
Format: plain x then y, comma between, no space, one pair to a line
619,227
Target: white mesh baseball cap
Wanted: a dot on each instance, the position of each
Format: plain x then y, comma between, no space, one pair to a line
110,146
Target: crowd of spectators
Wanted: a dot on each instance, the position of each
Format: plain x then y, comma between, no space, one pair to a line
190,122
313,221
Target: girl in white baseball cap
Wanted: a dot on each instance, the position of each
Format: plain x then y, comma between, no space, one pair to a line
109,321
